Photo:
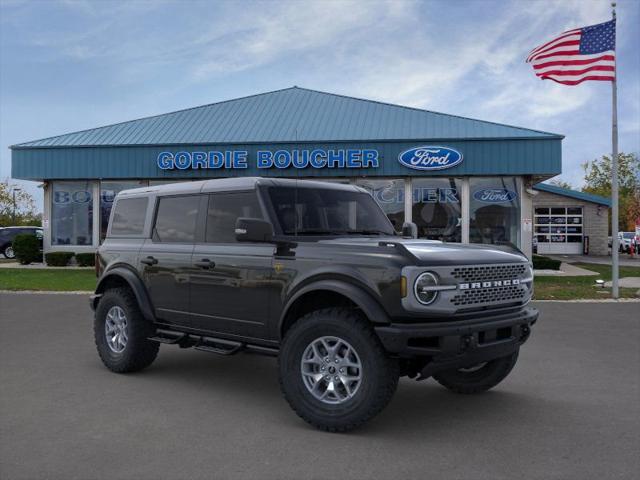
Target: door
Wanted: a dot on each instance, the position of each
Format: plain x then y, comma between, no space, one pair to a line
166,257
559,230
230,292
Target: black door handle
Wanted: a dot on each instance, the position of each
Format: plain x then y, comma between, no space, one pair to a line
205,263
149,260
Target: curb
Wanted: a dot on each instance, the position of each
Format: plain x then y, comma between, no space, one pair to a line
591,300
47,292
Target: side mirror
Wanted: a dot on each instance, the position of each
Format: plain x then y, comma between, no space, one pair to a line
410,230
253,230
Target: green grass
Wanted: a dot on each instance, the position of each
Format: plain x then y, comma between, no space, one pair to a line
546,288
571,288
47,279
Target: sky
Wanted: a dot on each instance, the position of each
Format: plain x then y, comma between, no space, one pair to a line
72,65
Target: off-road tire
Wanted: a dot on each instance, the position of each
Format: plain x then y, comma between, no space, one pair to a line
480,380
379,372
139,352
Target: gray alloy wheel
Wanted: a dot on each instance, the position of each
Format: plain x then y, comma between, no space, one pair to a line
115,329
9,253
331,370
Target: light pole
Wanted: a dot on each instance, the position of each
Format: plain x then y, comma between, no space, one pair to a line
15,189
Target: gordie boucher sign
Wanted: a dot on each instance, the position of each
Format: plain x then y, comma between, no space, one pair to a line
417,158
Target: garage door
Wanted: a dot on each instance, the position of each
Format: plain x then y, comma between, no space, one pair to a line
558,229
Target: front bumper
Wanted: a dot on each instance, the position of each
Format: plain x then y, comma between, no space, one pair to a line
448,345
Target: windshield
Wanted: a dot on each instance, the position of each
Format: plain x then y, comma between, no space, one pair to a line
320,211
628,234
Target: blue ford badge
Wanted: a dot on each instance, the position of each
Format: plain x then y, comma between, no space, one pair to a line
430,158
495,195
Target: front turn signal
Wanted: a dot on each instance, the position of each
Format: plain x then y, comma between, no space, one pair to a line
403,287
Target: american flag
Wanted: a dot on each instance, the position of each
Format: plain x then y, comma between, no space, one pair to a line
587,53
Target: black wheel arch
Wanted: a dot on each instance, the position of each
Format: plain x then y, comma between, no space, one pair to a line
122,275
355,293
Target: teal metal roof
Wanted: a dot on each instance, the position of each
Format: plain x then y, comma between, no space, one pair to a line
565,192
291,115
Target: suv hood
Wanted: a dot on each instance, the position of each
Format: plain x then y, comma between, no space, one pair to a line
434,252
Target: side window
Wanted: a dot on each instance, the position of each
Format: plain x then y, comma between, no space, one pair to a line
176,219
128,216
224,210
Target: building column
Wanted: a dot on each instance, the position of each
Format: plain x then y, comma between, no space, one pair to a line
46,216
408,200
95,189
526,218
465,207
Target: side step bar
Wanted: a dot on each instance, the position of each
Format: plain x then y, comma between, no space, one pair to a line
220,346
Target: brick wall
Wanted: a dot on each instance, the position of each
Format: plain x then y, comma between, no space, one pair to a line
594,226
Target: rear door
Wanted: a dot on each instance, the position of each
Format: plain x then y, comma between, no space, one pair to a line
166,257
231,285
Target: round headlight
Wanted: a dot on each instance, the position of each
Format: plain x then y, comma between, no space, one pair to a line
423,288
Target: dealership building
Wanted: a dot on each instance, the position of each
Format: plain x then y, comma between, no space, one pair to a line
458,179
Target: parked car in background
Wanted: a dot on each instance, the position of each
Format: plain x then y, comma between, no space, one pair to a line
7,234
625,240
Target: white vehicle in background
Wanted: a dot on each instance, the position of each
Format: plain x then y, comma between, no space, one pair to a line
625,239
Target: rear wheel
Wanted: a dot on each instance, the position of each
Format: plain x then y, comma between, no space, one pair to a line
8,252
333,370
121,333
478,378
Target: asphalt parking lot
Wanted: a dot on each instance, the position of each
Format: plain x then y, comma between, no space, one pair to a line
570,409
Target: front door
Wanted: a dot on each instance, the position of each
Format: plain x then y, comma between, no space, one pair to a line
166,257
232,281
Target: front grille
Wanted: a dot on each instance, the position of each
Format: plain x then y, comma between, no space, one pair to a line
511,293
488,272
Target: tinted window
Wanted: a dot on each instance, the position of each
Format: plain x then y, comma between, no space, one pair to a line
320,211
176,219
224,210
128,216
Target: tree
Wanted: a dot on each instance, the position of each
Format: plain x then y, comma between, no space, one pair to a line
597,179
25,207
558,182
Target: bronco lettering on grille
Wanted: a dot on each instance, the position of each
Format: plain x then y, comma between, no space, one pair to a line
490,284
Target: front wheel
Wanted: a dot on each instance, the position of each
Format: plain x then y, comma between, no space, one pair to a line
478,378
333,370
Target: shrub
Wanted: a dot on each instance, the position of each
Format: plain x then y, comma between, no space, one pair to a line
27,248
86,259
545,263
58,259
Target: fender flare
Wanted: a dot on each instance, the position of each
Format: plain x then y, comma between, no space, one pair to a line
136,285
358,295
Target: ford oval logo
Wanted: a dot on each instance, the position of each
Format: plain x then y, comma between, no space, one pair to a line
495,195
430,158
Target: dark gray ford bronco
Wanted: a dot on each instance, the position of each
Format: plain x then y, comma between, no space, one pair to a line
315,274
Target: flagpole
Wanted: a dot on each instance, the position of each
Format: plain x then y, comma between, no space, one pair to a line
614,177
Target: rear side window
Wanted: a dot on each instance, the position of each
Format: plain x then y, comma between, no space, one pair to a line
176,219
224,210
128,216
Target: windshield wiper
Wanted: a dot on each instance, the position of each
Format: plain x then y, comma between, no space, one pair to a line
367,232
320,231
313,231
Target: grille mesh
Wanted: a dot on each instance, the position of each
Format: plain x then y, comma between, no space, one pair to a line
488,272
490,295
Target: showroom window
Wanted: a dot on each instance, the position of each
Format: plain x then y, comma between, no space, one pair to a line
72,213
108,192
390,196
436,209
494,211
